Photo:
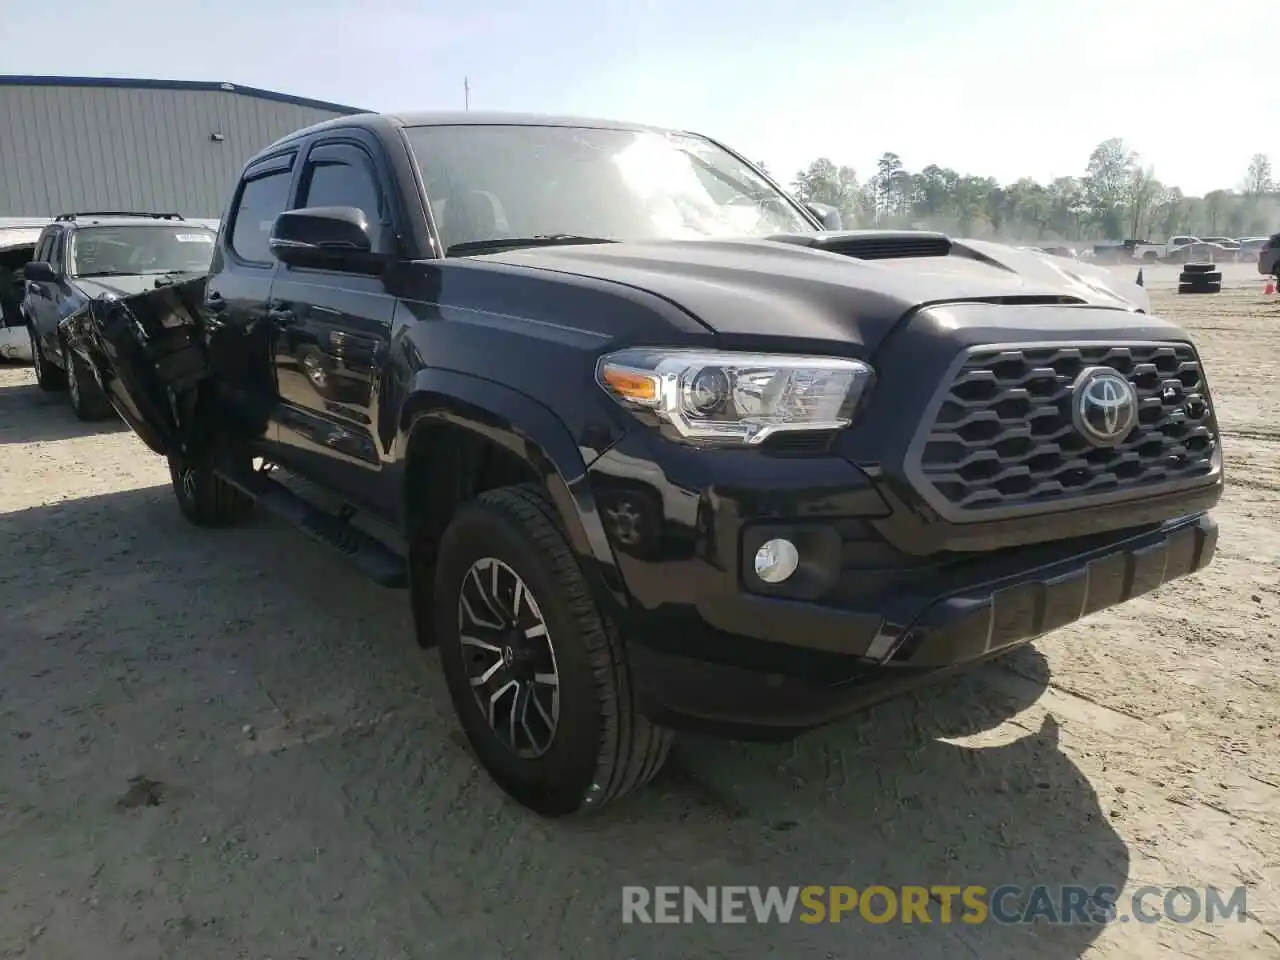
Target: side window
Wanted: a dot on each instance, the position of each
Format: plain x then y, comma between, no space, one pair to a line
262,199
58,250
342,177
44,248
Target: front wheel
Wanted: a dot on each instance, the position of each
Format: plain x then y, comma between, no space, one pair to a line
538,677
49,378
204,497
87,399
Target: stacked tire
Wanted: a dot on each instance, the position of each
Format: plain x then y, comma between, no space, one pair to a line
1200,278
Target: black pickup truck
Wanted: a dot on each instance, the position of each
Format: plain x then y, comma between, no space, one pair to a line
652,446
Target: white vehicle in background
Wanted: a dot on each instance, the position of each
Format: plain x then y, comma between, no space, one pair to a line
1209,251
1226,243
1152,252
17,246
1250,247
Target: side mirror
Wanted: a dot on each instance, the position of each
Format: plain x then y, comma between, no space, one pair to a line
37,271
325,237
828,215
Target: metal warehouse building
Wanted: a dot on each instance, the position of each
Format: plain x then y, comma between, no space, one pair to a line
82,143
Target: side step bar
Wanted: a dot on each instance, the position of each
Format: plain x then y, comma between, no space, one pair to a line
373,558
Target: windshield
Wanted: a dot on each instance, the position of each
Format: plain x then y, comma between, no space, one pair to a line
489,182
114,251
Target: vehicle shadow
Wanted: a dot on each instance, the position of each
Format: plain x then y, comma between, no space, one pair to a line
314,787
31,415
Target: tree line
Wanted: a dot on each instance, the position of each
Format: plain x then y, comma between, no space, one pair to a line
1118,197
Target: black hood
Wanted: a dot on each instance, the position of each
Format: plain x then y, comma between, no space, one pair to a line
124,286
820,287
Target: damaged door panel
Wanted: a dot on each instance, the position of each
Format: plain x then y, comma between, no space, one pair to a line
150,353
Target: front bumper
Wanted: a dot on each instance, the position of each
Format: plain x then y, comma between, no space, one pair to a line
826,663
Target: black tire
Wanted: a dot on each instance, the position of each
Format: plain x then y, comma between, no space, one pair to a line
600,748
1199,287
1198,268
49,378
204,497
87,399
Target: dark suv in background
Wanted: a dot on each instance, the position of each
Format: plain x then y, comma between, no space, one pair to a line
1269,256
86,256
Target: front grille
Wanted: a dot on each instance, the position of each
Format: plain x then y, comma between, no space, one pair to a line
1004,437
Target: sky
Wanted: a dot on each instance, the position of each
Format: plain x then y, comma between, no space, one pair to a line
996,88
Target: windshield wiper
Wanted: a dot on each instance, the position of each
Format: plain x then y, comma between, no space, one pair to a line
538,240
169,277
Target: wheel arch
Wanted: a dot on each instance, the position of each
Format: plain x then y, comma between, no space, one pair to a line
445,412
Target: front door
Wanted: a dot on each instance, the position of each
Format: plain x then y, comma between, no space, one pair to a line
331,334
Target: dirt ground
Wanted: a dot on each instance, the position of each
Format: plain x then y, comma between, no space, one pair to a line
223,745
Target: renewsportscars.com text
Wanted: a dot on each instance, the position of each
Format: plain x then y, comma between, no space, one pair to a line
942,904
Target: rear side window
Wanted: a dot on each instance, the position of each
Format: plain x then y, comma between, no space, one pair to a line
44,249
262,199
57,250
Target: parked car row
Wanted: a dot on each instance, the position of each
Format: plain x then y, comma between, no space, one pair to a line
1181,249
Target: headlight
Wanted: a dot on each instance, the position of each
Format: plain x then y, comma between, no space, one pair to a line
730,397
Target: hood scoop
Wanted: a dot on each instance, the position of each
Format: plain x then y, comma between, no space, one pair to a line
875,244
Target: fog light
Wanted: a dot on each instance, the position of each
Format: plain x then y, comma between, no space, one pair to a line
776,560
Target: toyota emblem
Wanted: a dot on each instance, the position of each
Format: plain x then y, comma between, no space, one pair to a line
1104,406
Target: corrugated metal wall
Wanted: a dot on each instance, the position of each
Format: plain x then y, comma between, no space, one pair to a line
95,148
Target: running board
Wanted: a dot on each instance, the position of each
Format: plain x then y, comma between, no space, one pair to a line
373,558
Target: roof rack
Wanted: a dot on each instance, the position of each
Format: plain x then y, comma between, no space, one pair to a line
67,217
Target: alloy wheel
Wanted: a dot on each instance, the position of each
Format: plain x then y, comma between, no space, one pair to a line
509,657
37,360
73,382
189,483
626,522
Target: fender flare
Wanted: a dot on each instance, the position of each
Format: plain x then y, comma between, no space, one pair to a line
531,432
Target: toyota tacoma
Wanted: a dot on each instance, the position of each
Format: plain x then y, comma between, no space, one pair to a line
651,445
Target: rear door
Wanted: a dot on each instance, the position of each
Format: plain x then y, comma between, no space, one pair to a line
238,293
332,331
